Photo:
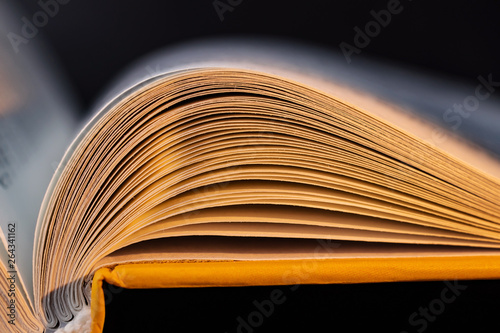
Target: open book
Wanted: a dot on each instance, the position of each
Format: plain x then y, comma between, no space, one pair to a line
232,163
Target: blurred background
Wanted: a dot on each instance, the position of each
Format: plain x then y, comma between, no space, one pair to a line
94,40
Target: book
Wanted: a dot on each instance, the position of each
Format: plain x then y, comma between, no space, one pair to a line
239,163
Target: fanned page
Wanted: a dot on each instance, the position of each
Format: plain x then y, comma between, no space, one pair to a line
234,160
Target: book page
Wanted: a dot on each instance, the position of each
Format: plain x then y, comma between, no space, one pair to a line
425,103
254,248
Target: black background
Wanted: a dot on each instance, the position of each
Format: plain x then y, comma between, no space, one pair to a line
93,40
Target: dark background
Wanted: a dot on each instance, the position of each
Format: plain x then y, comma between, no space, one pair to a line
93,40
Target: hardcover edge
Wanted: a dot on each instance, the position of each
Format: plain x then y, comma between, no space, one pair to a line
285,272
